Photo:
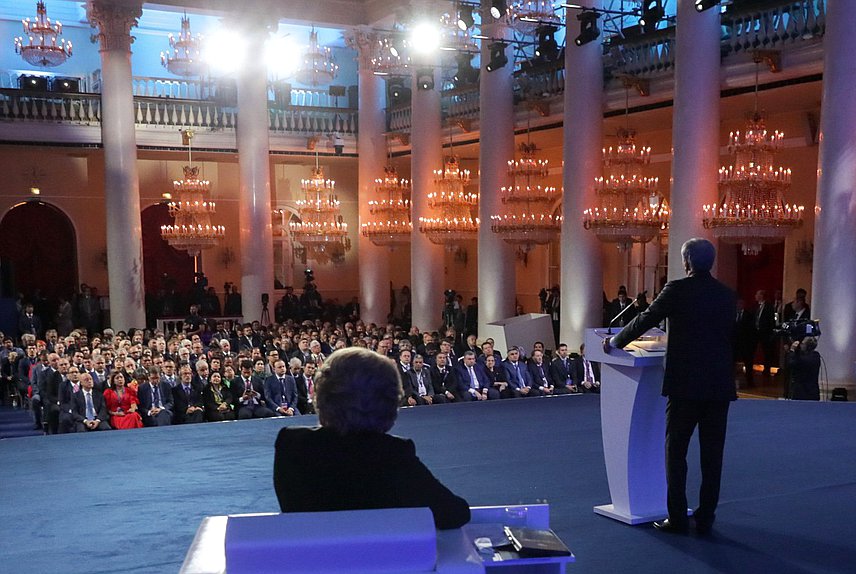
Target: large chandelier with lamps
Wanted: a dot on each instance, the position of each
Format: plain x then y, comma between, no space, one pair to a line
528,219
630,208
318,67
391,225
191,229
453,206
752,210
321,229
184,59
41,44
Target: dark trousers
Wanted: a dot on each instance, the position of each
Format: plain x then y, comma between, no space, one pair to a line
682,417
255,412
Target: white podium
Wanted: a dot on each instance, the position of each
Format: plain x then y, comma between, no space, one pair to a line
633,421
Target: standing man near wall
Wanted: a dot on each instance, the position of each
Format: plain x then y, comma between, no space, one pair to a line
698,379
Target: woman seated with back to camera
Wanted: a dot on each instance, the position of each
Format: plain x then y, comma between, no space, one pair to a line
350,462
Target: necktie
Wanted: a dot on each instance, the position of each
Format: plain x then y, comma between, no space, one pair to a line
187,392
519,375
474,383
310,387
90,407
76,387
155,396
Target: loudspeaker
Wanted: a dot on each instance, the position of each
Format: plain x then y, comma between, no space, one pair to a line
33,83
65,85
839,394
336,91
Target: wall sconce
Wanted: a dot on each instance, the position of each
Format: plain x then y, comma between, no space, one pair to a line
805,252
227,257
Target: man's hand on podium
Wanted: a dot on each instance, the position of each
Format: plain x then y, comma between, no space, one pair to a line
607,346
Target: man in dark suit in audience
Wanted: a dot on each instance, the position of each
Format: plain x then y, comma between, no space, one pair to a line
187,399
156,400
698,378
87,407
70,384
473,381
418,386
542,381
29,322
619,304
798,309
304,378
444,378
49,386
519,378
586,373
562,371
249,395
281,391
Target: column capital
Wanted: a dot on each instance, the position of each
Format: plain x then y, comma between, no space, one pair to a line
114,22
364,40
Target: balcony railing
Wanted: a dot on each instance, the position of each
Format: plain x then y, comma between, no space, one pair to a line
771,25
17,105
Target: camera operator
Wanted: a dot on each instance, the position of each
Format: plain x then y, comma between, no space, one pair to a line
804,368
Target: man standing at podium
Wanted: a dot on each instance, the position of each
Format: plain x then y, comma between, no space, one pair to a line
698,379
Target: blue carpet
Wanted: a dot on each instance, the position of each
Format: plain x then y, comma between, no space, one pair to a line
16,423
131,501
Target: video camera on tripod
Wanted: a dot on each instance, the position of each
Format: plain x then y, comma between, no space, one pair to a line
797,330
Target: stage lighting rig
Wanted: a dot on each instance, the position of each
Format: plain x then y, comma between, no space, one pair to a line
498,8
547,48
498,59
588,27
425,79
652,13
702,5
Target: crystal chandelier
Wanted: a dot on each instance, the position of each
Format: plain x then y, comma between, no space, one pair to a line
191,230
321,230
453,221
318,66
391,225
41,44
387,63
528,15
185,59
528,219
630,209
752,210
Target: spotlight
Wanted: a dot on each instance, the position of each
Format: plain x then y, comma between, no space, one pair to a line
396,46
465,18
498,8
588,28
652,13
465,74
702,5
225,52
547,48
425,79
425,38
497,56
397,92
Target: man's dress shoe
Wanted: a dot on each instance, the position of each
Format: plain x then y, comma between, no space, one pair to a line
668,526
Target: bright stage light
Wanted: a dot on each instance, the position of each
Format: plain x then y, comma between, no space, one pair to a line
425,38
282,56
225,52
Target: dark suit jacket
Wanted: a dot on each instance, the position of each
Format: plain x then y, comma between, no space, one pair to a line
49,387
764,324
319,470
540,375
517,378
560,372
699,359
211,405
78,406
180,401
145,395
445,381
788,313
238,389
31,325
411,386
463,376
274,393
578,367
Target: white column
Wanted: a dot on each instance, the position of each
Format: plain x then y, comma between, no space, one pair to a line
426,258
695,127
496,263
121,180
581,275
835,222
371,147
254,216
